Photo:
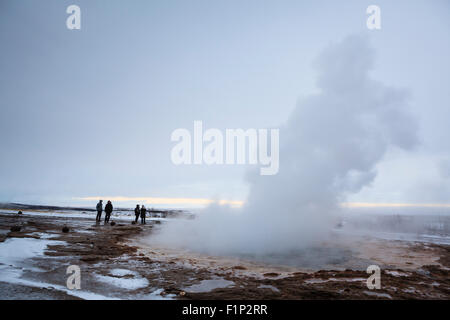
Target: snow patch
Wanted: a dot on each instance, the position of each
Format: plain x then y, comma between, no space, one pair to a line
396,273
122,272
117,279
118,215
43,235
14,252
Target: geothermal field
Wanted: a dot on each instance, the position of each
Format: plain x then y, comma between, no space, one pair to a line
121,260
254,153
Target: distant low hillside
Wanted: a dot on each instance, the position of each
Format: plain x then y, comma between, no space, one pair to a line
21,206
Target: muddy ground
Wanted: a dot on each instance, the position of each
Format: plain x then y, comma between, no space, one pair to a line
409,270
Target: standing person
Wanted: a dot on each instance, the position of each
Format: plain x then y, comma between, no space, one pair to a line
143,212
137,213
99,211
108,211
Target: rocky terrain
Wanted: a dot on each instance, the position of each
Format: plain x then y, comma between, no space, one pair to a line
119,261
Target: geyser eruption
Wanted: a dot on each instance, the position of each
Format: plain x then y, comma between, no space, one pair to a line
328,148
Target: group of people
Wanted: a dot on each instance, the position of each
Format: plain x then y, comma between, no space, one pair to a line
139,211
108,211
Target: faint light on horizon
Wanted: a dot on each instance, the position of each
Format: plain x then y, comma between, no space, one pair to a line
240,203
168,201
394,205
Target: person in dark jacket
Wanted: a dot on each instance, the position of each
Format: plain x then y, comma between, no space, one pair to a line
108,211
99,211
143,212
137,213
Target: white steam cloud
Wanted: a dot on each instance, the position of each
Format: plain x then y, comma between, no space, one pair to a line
328,149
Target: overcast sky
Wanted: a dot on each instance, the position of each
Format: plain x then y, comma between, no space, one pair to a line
88,113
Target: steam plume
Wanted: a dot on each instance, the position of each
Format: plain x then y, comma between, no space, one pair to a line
328,148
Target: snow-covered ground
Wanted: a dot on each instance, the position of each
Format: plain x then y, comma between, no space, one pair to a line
23,261
116,215
14,256
124,278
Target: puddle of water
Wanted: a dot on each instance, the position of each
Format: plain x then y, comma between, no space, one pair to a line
377,294
209,285
268,286
156,295
335,279
218,264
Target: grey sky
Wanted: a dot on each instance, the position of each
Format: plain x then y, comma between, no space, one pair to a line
90,112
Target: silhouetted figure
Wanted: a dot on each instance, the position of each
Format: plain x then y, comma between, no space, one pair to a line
99,211
108,211
137,213
143,212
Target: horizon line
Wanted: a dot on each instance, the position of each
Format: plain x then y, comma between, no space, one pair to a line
240,203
